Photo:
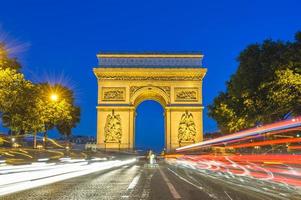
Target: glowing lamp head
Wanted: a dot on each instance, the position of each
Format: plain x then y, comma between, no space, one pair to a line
54,97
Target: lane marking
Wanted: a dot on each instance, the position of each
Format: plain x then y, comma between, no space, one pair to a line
187,181
146,187
134,182
228,195
171,188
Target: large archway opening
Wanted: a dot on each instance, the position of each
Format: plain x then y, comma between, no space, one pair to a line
150,127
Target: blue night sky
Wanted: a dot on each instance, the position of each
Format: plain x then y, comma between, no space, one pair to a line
58,41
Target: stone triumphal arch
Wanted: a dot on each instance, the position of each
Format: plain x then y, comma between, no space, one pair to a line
126,80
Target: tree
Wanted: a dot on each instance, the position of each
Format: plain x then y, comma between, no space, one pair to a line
37,112
265,87
64,126
16,98
26,107
12,85
6,61
24,116
60,112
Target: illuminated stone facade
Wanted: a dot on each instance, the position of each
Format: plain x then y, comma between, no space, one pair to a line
126,80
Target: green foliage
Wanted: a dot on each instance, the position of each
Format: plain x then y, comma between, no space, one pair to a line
24,117
12,86
16,98
62,114
65,126
265,87
28,108
5,61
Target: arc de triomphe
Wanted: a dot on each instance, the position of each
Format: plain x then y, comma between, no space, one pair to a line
125,80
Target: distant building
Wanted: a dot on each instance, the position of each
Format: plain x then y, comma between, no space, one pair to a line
81,139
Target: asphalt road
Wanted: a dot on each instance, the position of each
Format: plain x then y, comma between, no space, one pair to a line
137,181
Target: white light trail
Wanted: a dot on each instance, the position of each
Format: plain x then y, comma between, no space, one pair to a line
18,178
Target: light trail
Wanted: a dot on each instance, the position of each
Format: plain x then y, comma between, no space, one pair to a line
18,178
282,125
294,147
283,169
265,143
268,174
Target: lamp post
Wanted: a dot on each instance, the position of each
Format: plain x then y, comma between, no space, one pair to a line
53,98
13,141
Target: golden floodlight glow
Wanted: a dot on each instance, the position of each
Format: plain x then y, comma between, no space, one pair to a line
54,97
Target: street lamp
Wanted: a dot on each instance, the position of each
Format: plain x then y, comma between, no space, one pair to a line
54,97
13,142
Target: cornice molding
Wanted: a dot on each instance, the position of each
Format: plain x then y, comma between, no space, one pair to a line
149,55
162,74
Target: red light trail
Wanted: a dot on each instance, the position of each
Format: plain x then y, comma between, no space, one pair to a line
282,125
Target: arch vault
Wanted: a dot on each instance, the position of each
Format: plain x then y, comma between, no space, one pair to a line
125,80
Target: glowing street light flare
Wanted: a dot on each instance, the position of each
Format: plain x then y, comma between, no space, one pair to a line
54,97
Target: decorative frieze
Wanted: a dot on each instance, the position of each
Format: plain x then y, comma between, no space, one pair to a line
187,94
150,60
113,94
150,78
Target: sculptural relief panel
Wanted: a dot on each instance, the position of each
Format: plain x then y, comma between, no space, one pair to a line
113,131
113,94
187,94
187,130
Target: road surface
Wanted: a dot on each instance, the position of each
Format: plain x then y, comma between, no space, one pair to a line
137,181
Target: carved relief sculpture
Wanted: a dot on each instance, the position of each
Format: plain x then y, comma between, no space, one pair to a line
187,130
113,94
113,131
166,90
186,94
134,89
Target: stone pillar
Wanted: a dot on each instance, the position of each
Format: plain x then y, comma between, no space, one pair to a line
132,118
167,129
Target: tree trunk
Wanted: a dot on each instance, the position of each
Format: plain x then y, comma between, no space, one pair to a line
45,139
66,142
34,140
